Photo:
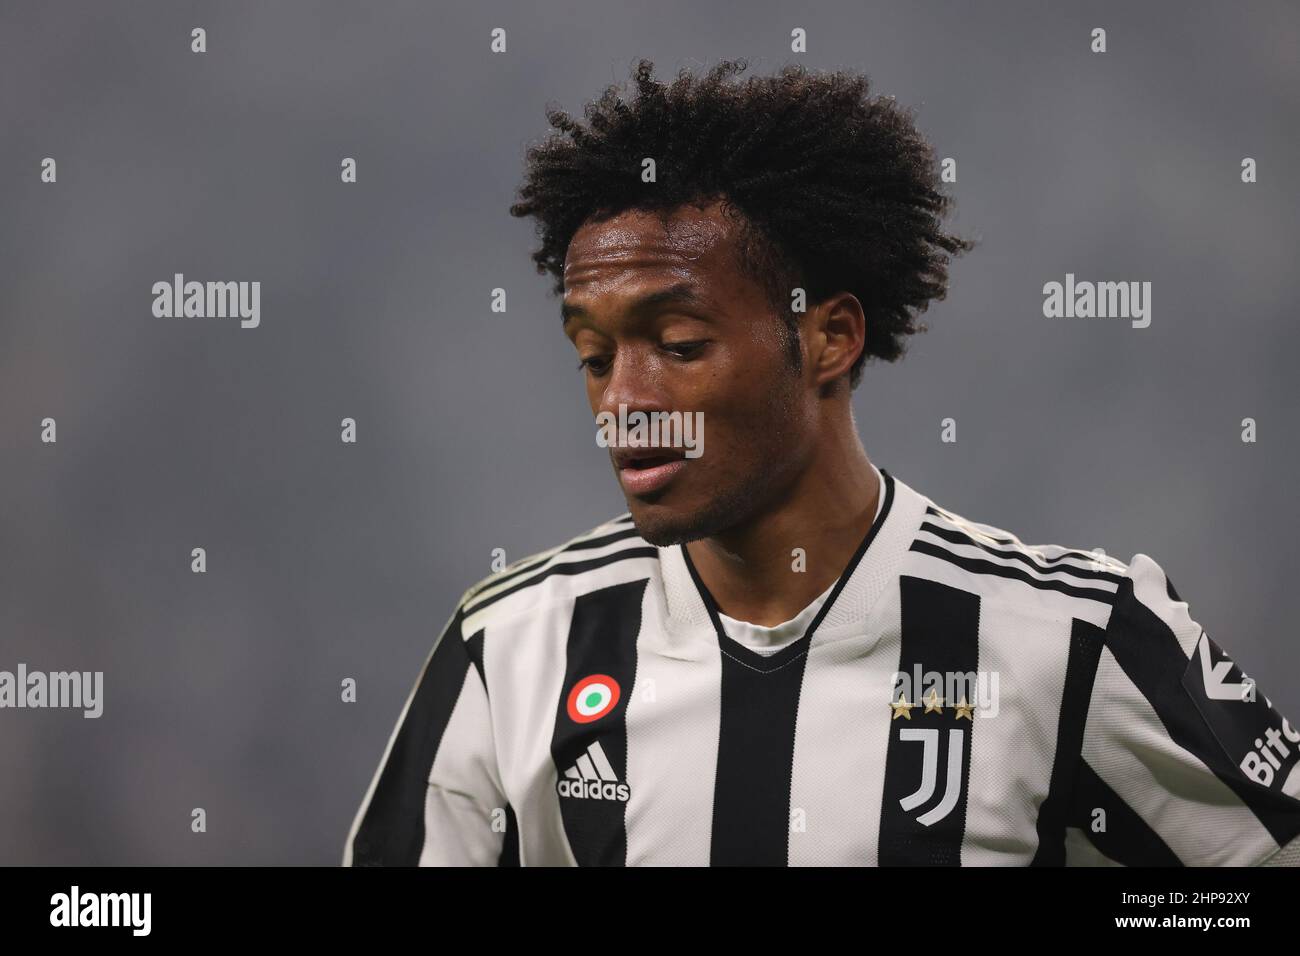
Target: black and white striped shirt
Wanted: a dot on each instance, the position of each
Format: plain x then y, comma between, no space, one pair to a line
959,698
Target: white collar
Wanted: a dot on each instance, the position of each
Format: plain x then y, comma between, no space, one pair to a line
686,617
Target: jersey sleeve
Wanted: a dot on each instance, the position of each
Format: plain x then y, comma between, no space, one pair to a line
1184,760
437,799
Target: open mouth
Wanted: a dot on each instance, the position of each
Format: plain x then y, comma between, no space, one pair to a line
648,472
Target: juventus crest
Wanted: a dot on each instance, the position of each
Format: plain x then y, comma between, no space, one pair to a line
929,739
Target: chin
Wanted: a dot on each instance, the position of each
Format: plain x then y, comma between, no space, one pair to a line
664,527
661,528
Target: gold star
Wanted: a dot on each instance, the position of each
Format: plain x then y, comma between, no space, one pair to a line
934,702
964,709
902,708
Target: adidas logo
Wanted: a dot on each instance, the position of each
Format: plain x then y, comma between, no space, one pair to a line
592,778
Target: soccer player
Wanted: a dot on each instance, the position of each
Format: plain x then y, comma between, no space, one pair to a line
783,654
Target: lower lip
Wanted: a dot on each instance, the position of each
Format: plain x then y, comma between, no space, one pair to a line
643,481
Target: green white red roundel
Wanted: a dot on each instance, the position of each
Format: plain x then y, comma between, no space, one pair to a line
592,698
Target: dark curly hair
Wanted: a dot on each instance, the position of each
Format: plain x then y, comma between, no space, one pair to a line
838,191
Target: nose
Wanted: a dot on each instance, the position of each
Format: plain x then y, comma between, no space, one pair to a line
633,381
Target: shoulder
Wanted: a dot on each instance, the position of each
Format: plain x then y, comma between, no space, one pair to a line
1071,581
1173,738
606,554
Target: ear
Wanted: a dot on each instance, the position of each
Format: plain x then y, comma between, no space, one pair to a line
836,333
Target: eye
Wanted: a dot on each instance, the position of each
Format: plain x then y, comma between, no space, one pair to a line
683,349
596,364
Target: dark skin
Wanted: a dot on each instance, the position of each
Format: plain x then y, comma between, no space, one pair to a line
783,466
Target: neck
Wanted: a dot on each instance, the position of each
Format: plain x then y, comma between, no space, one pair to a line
751,569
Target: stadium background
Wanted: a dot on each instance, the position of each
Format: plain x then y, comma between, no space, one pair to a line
328,561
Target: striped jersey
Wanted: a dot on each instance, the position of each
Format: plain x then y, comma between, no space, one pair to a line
958,697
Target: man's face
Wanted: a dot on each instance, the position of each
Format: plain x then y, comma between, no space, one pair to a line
664,321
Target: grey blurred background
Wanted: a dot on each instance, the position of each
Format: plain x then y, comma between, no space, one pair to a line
328,560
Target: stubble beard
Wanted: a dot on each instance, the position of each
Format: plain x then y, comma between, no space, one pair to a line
735,505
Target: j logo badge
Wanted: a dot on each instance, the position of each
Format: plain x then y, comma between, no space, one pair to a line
929,738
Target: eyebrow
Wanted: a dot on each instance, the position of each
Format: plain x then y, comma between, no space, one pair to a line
681,294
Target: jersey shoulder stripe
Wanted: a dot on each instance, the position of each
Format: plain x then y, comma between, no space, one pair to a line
525,566
1046,553
1073,563
532,562
610,543
997,564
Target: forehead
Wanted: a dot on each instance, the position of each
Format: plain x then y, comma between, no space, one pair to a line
687,244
